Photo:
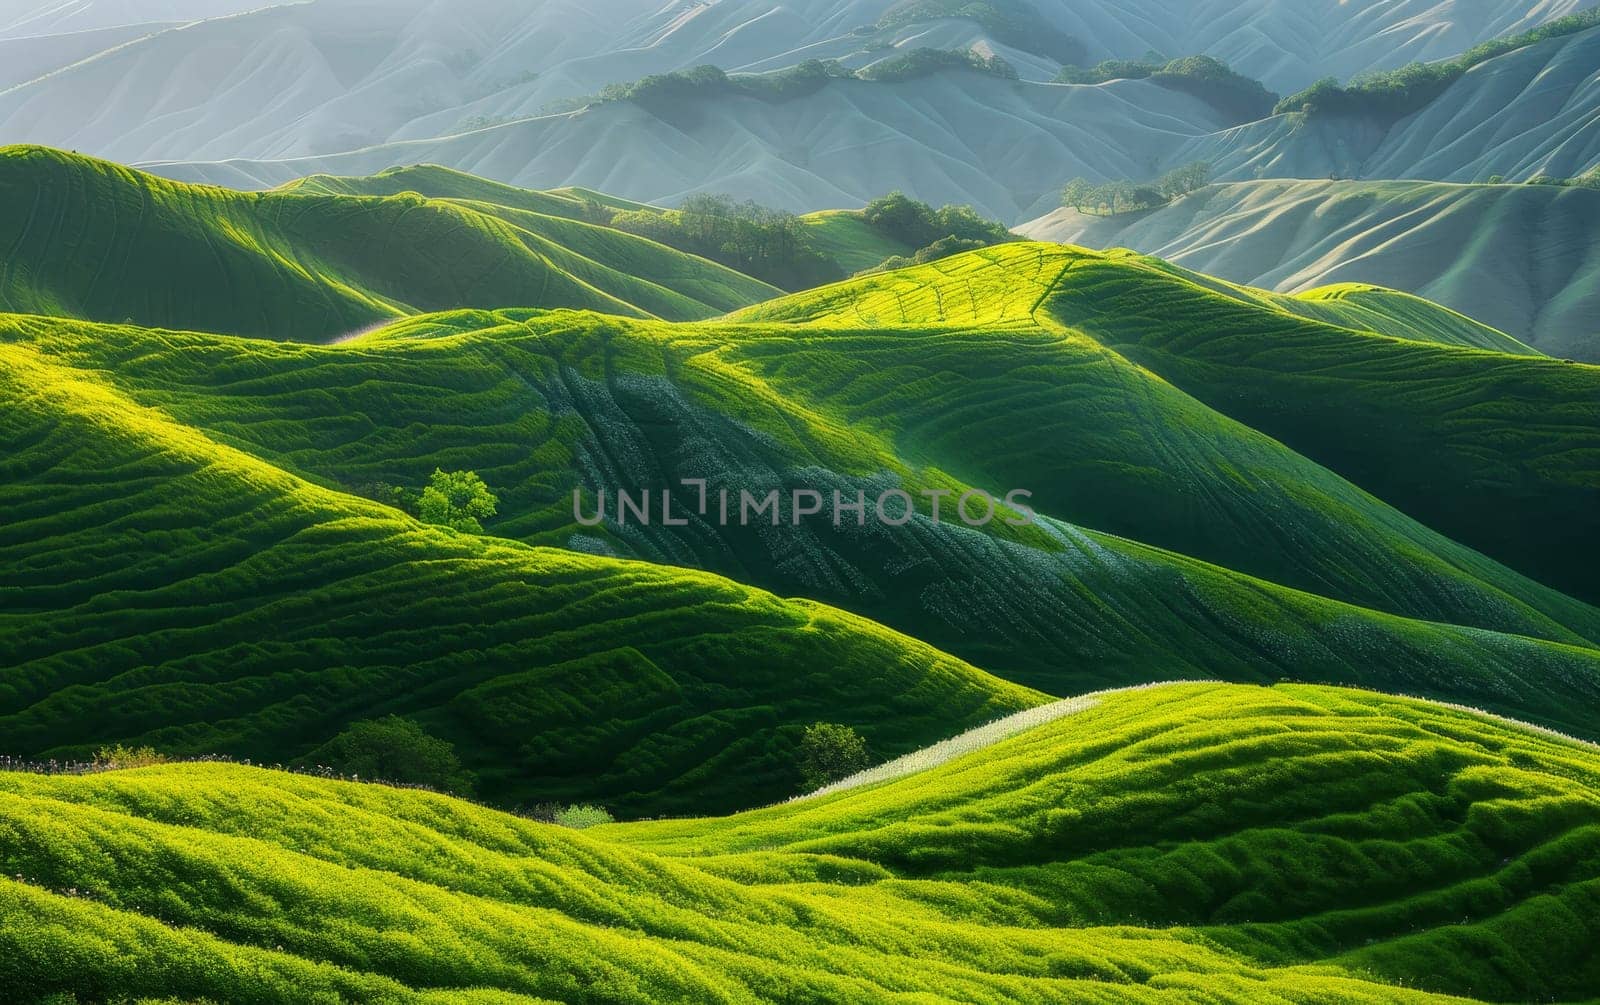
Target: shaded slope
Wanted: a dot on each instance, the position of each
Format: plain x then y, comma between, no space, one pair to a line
1522,258
1179,844
1501,452
163,588
84,238
543,404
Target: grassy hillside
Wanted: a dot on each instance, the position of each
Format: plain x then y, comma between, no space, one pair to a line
1174,541
438,182
1500,452
1520,258
89,239
1178,844
847,238
166,589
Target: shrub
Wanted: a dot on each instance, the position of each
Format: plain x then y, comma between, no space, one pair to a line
119,756
394,749
401,498
581,815
457,499
830,752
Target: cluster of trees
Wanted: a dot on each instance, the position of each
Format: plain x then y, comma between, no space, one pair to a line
769,244
1241,98
1127,197
1390,95
935,233
782,85
1016,23
926,62
918,224
665,91
1590,180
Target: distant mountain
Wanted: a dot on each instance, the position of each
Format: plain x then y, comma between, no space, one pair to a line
39,19
318,78
1532,111
1002,146
1523,258
955,136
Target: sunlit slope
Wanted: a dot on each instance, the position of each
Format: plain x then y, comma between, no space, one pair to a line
1522,258
1268,566
161,588
89,239
1498,451
1445,434
1189,843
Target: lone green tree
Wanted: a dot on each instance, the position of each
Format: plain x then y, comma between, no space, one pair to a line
830,752
457,499
393,749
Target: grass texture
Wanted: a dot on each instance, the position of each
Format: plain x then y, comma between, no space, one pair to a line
1174,541
89,239
161,585
1185,843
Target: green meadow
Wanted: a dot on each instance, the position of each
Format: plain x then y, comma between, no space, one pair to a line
1251,522
1183,843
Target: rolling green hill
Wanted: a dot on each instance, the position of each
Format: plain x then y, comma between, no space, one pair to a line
847,238
1184,843
1517,257
1500,452
166,589
1175,542
88,239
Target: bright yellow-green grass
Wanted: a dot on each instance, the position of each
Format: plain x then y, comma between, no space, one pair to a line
163,586
89,239
1184,843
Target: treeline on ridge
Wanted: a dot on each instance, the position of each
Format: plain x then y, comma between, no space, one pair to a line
769,244
1121,196
663,90
775,246
1391,95
1241,98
